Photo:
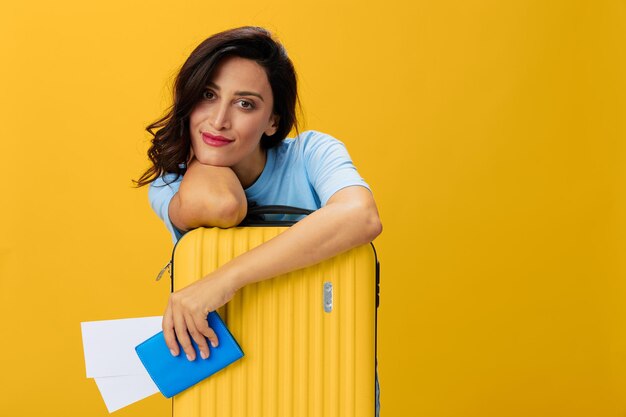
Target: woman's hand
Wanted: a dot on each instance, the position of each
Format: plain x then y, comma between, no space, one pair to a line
187,312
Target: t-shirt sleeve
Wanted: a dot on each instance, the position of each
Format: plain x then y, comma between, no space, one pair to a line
328,165
160,194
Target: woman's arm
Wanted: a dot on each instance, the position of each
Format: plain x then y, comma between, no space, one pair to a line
349,219
208,196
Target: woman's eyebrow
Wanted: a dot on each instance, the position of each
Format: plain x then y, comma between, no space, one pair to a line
249,93
237,93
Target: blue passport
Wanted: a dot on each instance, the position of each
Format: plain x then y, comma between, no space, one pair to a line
173,374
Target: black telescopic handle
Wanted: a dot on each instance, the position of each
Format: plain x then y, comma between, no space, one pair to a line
255,215
256,210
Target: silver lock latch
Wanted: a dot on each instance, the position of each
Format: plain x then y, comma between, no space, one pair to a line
328,297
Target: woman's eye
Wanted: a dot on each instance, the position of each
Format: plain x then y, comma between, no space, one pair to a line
208,94
246,105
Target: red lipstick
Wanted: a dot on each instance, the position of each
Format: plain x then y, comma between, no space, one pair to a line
215,140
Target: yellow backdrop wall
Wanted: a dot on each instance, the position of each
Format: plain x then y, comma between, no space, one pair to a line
492,134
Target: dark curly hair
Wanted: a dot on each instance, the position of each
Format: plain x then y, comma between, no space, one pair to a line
171,140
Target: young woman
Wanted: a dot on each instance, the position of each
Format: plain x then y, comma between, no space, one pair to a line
222,146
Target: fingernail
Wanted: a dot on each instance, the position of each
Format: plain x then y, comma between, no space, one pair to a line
189,358
173,353
204,355
213,344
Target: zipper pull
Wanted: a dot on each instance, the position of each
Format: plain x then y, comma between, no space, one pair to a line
167,268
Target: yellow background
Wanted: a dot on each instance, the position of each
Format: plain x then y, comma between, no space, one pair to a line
491,132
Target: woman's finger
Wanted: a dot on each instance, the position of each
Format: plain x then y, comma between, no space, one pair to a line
168,331
183,337
203,327
197,336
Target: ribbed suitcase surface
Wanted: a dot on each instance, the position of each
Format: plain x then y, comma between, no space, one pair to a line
309,348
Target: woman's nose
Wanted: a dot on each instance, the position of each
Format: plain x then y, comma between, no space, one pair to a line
220,118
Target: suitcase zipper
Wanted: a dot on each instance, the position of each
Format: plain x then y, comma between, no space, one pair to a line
167,268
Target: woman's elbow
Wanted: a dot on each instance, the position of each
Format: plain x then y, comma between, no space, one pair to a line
360,213
230,212
224,212
373,226
368,225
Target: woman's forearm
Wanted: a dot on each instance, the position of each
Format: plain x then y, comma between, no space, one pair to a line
348,220
209,196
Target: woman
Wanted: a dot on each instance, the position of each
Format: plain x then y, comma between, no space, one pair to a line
223,145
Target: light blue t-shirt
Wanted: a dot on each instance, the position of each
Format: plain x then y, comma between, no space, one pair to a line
301,172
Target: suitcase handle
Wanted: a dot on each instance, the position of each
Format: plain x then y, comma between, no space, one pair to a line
255,215
256,210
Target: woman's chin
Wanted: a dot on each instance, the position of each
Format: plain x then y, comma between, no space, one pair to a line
212,161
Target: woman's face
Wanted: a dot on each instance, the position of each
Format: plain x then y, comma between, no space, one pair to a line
227,124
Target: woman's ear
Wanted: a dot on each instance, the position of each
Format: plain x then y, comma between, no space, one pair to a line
273,125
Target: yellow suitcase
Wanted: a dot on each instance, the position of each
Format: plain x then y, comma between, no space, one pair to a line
309,337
